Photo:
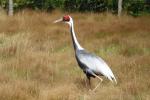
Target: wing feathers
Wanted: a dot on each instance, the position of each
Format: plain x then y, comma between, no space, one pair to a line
97,65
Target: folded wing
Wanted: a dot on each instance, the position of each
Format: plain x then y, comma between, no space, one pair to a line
96,64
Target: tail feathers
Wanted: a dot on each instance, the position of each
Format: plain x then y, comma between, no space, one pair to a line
112,79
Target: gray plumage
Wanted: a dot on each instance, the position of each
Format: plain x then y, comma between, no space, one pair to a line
92,65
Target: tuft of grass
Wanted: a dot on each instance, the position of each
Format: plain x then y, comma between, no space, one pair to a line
19,90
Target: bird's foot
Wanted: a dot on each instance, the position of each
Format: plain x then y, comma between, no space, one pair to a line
91,91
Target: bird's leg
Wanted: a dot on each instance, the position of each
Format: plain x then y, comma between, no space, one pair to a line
96,86
89,81
86,81
98,83
98,77
92,73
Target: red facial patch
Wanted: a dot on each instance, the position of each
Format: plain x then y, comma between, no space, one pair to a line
66,18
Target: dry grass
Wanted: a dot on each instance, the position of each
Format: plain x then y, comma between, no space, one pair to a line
37,60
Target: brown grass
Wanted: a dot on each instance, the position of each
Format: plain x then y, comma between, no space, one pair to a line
37,59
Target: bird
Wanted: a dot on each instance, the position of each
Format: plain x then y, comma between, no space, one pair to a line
92,65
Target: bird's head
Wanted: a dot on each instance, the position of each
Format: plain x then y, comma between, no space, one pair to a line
67,19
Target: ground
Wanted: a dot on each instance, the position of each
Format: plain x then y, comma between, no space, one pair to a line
37,58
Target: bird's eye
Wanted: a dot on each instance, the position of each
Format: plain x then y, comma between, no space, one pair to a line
66,18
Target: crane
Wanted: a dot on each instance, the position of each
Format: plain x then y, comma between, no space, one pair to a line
92,65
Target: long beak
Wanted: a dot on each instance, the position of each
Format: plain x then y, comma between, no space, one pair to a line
58,20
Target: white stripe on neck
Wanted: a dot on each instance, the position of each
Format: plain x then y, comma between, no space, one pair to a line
74,36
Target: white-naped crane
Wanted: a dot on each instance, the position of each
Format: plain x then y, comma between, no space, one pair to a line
92,65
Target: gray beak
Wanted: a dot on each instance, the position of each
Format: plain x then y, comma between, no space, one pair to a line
58,20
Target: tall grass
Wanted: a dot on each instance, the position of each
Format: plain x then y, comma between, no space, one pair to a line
37,59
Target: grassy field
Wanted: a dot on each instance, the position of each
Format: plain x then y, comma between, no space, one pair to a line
37,57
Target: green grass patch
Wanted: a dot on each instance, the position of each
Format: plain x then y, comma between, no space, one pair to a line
111,49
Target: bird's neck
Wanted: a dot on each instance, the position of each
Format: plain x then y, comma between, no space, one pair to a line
76,44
